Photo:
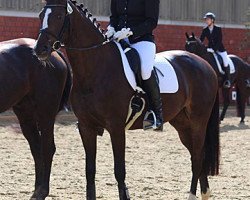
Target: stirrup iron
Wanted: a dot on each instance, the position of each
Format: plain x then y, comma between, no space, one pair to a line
149,121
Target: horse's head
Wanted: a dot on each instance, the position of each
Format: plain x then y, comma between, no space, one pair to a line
55,25
194,45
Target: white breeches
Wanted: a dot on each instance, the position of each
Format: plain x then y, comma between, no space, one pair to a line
147,51
224,57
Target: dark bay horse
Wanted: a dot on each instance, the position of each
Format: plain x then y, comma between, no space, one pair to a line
36,90
101,94
241,78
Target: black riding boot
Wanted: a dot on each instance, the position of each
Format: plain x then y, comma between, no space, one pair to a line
227,83
152,90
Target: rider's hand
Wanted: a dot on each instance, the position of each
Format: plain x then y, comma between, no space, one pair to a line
122,34
110,32
210,50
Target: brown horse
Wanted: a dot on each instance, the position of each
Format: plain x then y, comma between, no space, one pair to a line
101,95
241,77
36,90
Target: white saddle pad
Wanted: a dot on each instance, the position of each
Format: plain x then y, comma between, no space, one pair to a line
168,81
231,64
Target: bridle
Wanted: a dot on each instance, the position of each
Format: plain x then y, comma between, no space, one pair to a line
196,42
58,43
66,25
190,42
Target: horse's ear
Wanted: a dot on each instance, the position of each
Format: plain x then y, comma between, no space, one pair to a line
193,35
187,35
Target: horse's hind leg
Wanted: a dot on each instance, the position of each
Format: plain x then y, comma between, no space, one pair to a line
46,127
226,103
197,154
193,138
241,102
205,191
25,114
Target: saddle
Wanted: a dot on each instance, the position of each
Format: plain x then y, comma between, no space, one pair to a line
138,101
220,63
220,59
133,60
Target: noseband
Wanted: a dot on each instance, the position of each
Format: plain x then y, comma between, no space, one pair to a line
190,42
58,43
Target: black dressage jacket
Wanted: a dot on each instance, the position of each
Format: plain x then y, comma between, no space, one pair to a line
214,38
141,16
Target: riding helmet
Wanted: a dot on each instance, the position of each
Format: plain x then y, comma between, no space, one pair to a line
209,15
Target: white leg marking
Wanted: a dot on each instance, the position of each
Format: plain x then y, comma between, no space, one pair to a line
46,18
207,195
192,197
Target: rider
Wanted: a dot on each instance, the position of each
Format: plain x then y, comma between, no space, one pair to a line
135,21
214,35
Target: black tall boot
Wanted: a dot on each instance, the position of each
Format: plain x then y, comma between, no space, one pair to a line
152,90
227,82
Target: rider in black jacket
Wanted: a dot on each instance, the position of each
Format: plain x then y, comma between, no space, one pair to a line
213,34
134,22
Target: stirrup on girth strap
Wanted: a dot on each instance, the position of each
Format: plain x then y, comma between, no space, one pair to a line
136,107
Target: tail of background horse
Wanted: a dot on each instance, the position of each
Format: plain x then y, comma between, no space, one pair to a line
64,105
212,142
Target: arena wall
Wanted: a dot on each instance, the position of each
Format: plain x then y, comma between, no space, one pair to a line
170,35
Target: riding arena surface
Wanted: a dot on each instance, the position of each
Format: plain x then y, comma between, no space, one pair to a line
158,165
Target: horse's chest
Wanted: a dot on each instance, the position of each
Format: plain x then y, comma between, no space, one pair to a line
84,100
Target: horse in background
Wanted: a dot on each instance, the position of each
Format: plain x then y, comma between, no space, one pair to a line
36,90
241,77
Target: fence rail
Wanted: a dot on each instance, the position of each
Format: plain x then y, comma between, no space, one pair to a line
227,11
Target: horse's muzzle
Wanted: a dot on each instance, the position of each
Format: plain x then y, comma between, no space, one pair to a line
43,52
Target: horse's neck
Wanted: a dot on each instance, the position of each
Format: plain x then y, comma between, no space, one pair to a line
211,60
83,34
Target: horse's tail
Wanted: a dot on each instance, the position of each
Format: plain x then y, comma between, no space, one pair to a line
64,104
212,142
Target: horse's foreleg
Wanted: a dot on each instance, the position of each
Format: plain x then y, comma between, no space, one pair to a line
118,143
89,139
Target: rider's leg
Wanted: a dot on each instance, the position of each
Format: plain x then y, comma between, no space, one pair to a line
227,83
147,52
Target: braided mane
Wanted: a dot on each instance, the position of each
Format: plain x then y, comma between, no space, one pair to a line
89,16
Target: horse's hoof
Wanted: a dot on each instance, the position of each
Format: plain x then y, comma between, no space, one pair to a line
192,197
207,195
39,194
